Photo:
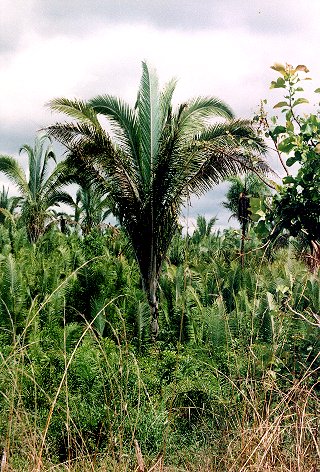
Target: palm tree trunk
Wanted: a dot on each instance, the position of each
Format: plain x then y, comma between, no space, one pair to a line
243,237
154,307
152,284
243,215
150,288
149,271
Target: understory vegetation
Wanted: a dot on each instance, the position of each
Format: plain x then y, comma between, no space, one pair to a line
230,384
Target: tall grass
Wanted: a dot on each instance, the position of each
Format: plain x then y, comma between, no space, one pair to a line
241,425
232,385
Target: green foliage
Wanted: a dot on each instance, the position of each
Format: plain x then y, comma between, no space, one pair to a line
91,208
249,186
78,369
39,191
296,207
203,229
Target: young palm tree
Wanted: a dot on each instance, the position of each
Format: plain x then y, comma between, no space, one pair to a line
7,204
91,208
203,228
153,159
39,191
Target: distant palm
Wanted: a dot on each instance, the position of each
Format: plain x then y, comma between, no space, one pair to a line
39,191
7,204
203,228
242,188
91,208
154,158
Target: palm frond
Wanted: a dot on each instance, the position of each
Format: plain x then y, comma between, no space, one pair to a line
8,203
38,158
211,165
93,156
77,109
149,121
166,99
194,114
73,135
56,197
123,121
240,131
15,173
48,155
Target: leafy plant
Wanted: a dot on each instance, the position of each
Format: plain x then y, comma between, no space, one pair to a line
296,206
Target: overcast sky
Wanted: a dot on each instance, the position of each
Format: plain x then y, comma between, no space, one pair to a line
81,48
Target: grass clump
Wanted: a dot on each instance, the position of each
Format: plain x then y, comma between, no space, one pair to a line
231,384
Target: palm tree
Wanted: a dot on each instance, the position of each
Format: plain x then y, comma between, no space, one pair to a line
7,204
153,159
39,191
203,229
91,208
238,196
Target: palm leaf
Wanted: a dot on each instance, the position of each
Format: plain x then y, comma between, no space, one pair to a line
56,197
15,173
194,113
77,109
123,121
149,122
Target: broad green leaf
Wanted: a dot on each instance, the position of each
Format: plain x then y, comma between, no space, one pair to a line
299,101
306,129
255,203
254,217
286,145
291,160
262,229
257,206
288,179
289,126
279,83
278,130
317,90
281,105
288,115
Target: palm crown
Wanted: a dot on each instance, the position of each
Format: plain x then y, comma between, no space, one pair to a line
153,159
39,190
91,208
